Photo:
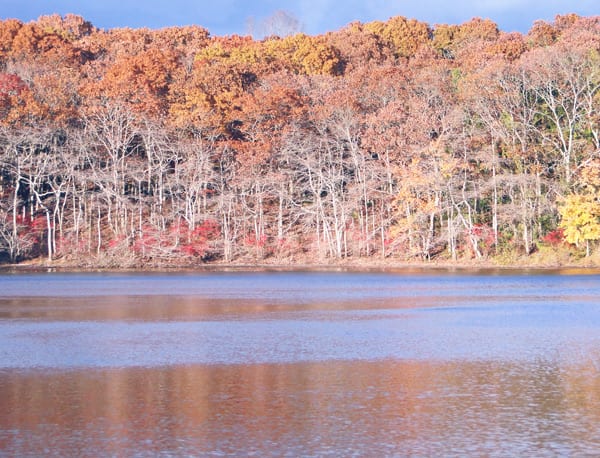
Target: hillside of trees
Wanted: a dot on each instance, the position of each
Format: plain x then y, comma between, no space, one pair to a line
396,140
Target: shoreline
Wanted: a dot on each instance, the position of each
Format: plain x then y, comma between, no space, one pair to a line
337,265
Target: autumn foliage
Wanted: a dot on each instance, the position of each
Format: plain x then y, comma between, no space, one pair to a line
395,139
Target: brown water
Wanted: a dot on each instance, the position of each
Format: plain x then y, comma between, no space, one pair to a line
300,364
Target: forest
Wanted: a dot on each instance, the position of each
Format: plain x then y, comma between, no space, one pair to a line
396,141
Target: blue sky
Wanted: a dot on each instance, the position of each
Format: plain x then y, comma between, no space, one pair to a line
222,17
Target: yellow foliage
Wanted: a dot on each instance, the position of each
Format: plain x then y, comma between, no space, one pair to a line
300,53
403,35
213,52
318,59
194,105
580,218
308,55
450,38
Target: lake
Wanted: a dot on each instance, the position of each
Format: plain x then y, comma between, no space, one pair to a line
277,363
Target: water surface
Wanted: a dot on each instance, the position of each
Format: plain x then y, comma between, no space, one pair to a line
300,364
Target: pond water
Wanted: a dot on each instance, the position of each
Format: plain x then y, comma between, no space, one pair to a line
391,363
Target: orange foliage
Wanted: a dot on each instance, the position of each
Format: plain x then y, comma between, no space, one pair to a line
8,31
454,40
209,95
510,46
57,92
357,46
544,34
141,81
17,104
34,43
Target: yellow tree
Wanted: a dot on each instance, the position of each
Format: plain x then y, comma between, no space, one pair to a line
580,213
580,219
305,54
403,36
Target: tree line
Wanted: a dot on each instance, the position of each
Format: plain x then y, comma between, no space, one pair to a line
380,140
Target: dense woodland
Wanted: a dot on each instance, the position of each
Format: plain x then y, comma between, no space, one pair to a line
389,140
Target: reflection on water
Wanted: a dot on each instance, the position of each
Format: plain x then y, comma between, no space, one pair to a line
385,408
280,364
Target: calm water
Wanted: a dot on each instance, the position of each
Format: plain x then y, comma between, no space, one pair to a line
300,364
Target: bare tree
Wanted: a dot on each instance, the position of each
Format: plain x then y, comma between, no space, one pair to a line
280,24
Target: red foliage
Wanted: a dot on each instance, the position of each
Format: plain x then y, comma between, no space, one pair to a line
69,245
38,224
255,241
554,238
149,239
10,85
207,230
178,239
116,241
484,234
199,238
